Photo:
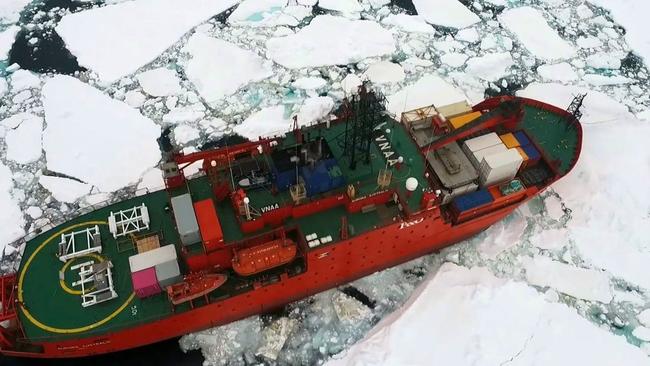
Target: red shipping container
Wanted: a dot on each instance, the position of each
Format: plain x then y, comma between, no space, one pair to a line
209,224
145,282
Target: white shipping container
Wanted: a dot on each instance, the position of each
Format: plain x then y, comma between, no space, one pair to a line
478,156
500,166
152,258
481,142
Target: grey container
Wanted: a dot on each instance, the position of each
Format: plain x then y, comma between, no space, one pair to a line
168,273
188,227
452,166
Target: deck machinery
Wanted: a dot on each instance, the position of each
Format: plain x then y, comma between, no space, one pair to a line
271,221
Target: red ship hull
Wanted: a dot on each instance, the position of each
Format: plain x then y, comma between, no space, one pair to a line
329,267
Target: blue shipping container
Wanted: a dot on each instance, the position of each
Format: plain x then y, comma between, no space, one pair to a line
532,152
522,138
472,200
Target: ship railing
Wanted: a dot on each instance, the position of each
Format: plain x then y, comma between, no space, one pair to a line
9,263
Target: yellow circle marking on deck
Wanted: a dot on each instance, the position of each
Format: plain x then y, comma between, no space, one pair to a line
48,328
67,264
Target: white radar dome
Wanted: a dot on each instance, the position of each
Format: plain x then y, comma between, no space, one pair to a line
411,184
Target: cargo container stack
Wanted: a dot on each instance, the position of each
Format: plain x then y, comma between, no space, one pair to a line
520,142
154,270
495,161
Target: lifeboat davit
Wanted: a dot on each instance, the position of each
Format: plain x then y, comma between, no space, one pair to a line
265,256
194,286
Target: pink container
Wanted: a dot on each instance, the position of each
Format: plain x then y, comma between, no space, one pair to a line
145,282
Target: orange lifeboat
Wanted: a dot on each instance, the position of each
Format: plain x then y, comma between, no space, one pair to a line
259,258
194,286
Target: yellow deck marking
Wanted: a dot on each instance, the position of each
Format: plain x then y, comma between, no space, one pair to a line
48,328
64,285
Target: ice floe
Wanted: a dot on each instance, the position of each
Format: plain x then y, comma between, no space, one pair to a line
7,38
346,7
468,317
557,72
116,40
384,72
632,14
409,23
582,283
269,121
160,82
490,67
268,13
447,13
23,137
610,228
91,137
530,26
64,189
11,216
331,40
10,10
429,89
218,68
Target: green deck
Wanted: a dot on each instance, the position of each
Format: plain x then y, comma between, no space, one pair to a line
49,312
552,134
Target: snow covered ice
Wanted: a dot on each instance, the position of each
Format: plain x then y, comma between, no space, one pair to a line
216,76
116,40
563,280
469,317
331,40
93,138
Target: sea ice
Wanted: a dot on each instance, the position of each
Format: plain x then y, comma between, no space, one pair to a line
429,89
582,283
23,79
7,38
10,10
490,67
557,72
11,216
468,317
384,72
64,189
454,59
24,143
632,15
269,121
409,23
218,68
346,7
184,134
604,61
608,236
94,138
502,236
598,107
309,83
268,13
447,13
315,109
330,40
530,26
274,337
160,82
116,40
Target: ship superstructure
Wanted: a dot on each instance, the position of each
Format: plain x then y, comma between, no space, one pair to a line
271,221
